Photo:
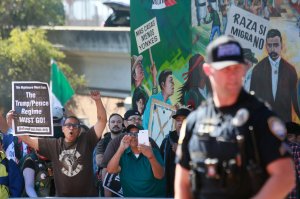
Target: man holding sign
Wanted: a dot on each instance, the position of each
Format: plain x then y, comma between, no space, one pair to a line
72,156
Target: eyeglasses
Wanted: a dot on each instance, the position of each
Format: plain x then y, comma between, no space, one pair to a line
69,125
133,134
134,119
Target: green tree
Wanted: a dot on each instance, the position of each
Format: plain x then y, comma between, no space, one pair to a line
22,13
25,56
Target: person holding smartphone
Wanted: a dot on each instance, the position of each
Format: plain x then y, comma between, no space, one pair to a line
140,167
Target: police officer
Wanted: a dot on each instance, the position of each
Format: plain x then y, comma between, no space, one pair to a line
232,145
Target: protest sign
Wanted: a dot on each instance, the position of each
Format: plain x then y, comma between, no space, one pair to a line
147,35
161,122
249,29
112,183
31,103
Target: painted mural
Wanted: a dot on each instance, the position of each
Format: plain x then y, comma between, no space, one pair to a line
169,38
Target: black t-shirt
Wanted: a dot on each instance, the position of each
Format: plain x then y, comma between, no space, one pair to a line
102,144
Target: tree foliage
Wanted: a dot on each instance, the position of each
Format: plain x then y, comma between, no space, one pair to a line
22,13
25,56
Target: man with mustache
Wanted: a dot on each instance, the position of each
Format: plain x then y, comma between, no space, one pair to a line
275,80
115,124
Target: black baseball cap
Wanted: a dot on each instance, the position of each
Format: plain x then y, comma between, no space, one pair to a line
131,113
181,111
223,52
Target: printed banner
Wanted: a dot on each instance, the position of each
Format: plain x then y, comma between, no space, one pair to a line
31,103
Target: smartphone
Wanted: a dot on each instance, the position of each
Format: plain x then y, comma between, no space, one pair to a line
143,137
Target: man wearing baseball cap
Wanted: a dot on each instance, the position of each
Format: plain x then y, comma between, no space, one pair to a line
131,117
232,146
168,149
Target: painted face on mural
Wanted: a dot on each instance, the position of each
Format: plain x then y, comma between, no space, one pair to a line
139,72
274,47
140,105
168,87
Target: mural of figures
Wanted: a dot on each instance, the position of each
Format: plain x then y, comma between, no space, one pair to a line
176,36
275,80
139,100
140,96
196,87
215,20
200,6
250,60
166,84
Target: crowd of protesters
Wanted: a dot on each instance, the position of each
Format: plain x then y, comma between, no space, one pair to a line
63,165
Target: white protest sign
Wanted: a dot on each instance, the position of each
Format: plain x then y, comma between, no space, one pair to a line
147,35
31,102
249,29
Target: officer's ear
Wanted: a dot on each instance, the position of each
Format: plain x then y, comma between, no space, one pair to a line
207,69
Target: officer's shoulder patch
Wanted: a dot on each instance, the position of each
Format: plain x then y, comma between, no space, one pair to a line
277,127
182,132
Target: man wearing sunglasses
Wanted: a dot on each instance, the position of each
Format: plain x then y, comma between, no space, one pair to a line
72,156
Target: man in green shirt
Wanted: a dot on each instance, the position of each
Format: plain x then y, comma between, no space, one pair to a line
140,166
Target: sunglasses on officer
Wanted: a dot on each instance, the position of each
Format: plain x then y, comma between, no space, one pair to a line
69,125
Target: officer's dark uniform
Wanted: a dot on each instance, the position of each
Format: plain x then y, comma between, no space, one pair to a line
227,149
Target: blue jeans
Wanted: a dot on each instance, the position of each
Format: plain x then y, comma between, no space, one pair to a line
214,29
